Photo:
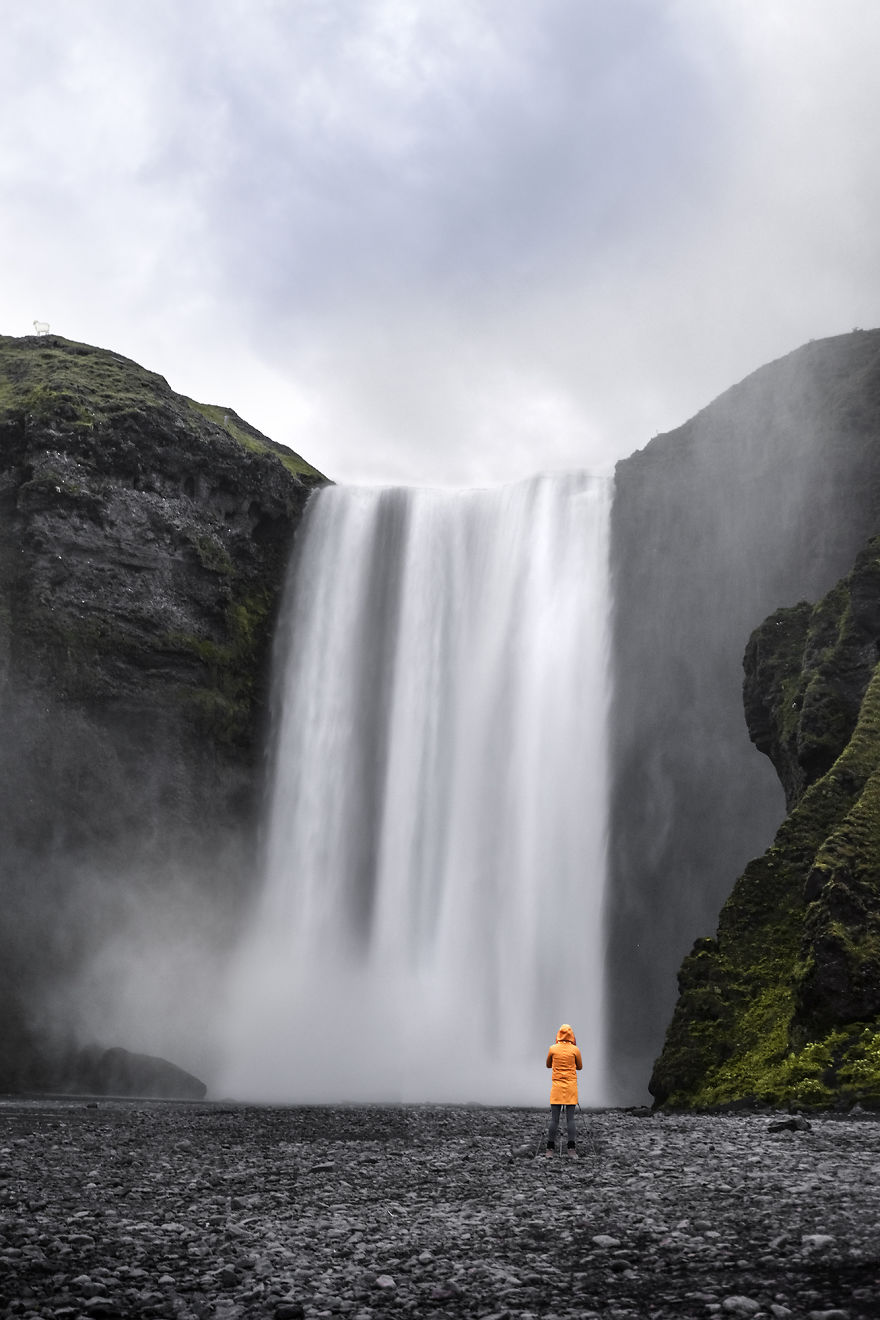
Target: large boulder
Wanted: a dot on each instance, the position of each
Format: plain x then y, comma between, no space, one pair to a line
118,1072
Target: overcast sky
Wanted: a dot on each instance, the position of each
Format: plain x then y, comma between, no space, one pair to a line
443,241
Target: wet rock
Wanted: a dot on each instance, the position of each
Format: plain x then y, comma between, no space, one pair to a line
398,1224
118,1072
817,1242
797,1123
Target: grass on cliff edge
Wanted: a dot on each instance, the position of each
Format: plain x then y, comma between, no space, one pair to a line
250,438
47,375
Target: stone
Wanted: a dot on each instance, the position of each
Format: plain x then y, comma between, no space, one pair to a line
797,1123
817,1241
117,1071
452,1237
100,1305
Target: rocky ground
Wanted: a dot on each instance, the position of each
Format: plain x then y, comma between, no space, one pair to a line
200,1210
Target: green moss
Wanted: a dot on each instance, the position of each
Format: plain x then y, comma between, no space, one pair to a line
222,705
58,374
752,1070
768,1009
40,401
84,387
252,440
72,382
778,650
840,1068
859,1067
212,555
218,715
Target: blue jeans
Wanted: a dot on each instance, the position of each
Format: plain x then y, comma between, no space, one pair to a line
554,1125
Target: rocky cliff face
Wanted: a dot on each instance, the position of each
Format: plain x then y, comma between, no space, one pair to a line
762,500
143,545
784,1004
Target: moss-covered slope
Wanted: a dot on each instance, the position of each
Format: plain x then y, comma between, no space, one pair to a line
143,548
762,500
784,1004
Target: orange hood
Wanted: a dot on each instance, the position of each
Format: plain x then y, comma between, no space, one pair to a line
565,1033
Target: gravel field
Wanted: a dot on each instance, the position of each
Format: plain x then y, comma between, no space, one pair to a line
209,1210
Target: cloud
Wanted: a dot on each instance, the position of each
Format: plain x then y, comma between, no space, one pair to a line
449,243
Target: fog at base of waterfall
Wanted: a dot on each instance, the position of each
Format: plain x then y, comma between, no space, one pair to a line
431,906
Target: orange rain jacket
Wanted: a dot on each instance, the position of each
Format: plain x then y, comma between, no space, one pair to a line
565,1059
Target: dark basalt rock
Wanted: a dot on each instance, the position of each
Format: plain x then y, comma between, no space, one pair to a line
785,1003
762,500
806,672
118,1072
143,547
149,1209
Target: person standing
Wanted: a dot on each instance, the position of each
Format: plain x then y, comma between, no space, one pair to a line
564,1058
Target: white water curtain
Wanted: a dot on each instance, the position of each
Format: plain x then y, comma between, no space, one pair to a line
431,908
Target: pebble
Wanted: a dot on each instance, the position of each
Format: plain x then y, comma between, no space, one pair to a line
817,1241
371,1213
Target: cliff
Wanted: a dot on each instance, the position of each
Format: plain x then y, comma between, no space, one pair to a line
143,545
784,1004
762,500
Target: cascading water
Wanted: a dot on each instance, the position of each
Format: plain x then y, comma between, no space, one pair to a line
432,901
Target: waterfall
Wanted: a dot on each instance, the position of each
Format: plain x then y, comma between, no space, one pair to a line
431,907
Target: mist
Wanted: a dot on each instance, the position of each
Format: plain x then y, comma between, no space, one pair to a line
120,907
156,948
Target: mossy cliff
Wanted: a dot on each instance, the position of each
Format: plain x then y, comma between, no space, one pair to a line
143,545
784,1004
762,500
